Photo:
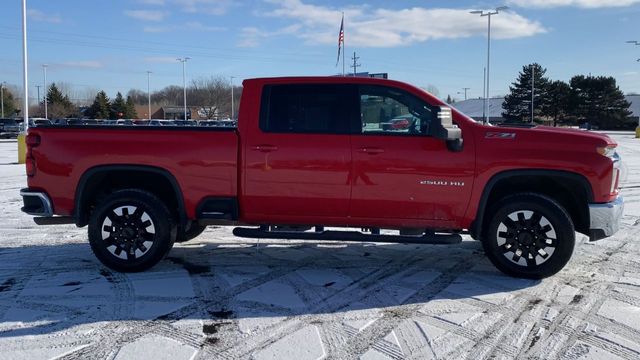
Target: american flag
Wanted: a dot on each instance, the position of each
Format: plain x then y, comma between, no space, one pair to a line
340,39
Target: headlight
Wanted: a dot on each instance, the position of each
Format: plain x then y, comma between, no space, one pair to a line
608,151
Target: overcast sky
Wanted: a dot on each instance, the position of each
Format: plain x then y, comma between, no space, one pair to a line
111,44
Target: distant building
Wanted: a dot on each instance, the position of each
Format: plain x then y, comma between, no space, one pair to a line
177,112
173,113
162,112
142,111
635,107
474,109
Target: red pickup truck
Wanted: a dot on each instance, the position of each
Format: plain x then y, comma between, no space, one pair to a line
315,152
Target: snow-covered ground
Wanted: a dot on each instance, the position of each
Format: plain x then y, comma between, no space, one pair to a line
222,297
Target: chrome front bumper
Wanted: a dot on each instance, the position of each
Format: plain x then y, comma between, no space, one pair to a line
605,219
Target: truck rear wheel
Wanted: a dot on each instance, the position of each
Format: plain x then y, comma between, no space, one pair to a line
529,236
131,230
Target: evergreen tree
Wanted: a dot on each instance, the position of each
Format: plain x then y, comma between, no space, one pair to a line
599,101
517,105
559,103
9,102
101,107
58,105
118,107
450,100
130,107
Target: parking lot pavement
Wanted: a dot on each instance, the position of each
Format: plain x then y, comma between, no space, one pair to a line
222,297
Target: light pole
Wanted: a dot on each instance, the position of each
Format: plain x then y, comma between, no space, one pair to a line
232,102
488,15
2,97
184,84
46,91
533,80
25,70
636,42
149,92
484,93
39,108
465,92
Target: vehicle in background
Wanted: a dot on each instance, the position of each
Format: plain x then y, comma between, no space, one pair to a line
207,123
185,122
39,122
155,122
124,122
402,122
59,122
229,123
80,122
9,128
218,123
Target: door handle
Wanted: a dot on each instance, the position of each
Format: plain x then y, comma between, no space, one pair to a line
371,150
264,148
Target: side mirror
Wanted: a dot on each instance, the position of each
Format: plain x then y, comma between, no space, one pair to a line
455,145
444,128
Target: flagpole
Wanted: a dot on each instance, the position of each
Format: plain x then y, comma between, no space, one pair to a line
344,49
341,44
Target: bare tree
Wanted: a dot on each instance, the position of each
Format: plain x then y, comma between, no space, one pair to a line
169,96
84,97
80,95
212,95
432,89
138,97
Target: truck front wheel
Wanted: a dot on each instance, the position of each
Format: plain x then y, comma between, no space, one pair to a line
529,236
131,230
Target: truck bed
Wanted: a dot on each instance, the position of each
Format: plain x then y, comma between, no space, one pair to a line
203,161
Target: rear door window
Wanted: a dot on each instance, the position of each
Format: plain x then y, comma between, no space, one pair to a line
308,108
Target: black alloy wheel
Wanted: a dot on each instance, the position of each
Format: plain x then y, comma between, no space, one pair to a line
526,238
131,230
530,236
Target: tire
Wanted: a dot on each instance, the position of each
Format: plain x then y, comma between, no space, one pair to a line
147,233
529,236
194,230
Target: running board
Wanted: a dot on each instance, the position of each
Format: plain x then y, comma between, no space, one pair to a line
436,239
54,220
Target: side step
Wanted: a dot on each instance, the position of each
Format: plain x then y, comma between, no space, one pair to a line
54,220
436,239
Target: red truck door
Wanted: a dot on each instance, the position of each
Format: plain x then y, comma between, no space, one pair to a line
297,161
399,171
